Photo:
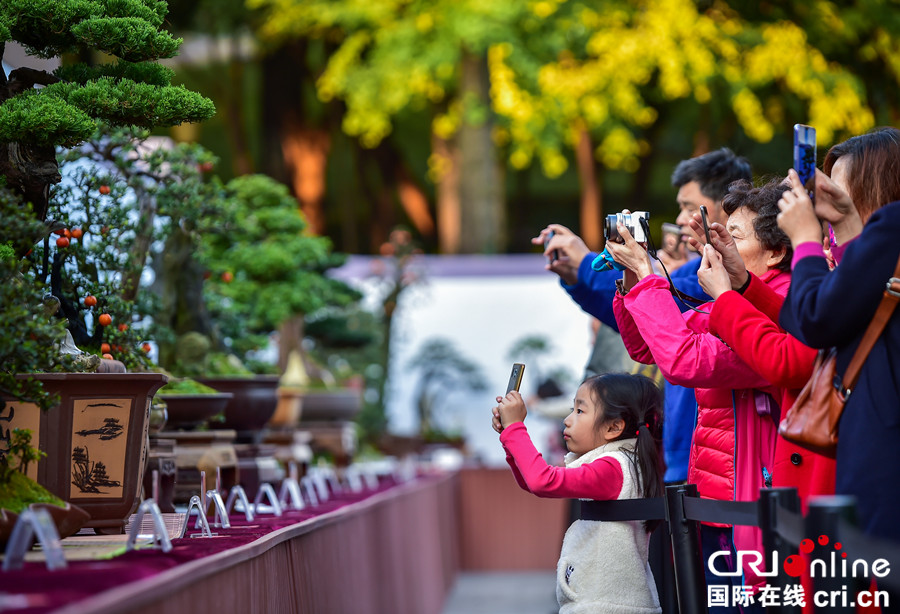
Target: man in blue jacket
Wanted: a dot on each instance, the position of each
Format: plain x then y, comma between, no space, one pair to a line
703,180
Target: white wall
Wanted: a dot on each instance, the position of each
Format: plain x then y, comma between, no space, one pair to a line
483,305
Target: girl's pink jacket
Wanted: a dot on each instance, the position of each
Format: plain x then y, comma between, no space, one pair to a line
733,447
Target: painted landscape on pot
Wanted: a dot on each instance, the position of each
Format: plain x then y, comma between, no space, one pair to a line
99,429
18,415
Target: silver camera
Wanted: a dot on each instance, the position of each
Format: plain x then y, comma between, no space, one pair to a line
632,222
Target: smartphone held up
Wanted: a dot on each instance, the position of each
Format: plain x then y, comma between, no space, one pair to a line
805,157
704,217
515,378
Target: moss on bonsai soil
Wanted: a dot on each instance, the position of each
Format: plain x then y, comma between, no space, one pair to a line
185,386
21,491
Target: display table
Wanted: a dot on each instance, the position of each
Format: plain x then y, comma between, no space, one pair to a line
390,550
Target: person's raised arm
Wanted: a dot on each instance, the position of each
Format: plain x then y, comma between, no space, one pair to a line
830,308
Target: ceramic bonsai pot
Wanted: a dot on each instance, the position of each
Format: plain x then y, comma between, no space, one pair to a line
340,404
189,411
68,520
95,440
253,403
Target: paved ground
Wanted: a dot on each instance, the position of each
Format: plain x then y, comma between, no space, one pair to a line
503,593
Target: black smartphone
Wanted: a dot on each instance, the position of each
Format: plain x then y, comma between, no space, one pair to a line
805,157
554,255
515,378
704,216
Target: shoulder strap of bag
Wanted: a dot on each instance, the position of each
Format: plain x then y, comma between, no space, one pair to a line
885,309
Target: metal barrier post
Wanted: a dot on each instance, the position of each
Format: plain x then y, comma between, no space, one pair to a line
832,591
770,499
690,580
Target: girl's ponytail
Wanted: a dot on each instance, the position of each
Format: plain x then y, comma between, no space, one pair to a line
648,450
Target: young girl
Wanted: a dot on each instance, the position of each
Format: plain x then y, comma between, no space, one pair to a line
613,437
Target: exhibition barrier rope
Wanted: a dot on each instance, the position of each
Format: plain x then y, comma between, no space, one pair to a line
784,528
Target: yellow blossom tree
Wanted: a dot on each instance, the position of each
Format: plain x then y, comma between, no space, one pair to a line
586,77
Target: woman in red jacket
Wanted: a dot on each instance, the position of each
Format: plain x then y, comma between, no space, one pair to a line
746,319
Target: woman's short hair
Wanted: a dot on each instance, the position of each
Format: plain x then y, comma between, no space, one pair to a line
873,174
764,202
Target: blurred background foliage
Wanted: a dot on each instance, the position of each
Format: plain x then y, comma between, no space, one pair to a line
476,123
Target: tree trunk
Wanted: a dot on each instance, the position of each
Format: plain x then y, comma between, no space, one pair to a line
591,217
137,257
414,202
302,132
449,210
30,170
179,283
305,153
234,114
481,192
290,339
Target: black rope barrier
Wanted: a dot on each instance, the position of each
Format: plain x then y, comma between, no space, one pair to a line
625,509
784,528
722,512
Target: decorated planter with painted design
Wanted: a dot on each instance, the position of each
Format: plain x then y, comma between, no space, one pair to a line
95,440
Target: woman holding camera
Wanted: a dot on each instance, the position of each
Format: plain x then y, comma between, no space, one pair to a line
733,446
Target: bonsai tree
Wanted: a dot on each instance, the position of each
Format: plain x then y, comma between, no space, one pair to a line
29,337
134,90
17,491
124,196
442,371
265,272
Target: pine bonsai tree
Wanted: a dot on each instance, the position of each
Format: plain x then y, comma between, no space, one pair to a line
134,90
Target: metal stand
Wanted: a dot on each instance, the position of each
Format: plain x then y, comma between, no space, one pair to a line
266,490
237,493
690,581
823,514
160,533
34,523
309,488
201,513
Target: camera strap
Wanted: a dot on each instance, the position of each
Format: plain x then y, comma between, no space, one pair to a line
682,296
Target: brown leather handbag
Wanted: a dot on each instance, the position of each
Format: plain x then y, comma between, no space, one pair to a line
812,421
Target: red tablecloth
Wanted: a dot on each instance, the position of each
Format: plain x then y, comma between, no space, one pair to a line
35,589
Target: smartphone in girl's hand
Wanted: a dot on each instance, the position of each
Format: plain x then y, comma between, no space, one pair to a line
515,378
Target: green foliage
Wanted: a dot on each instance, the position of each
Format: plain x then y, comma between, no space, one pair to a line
124,102
152,193
560,67
130,38
264,269
43,26
146,72
28,336
44,119
19,454
130,92
129,29
185,386
20,492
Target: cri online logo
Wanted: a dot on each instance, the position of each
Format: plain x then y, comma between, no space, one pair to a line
833,566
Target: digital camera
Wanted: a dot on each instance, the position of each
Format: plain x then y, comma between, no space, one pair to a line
631,222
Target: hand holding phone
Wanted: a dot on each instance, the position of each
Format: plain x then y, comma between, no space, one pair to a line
554,255
704,216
